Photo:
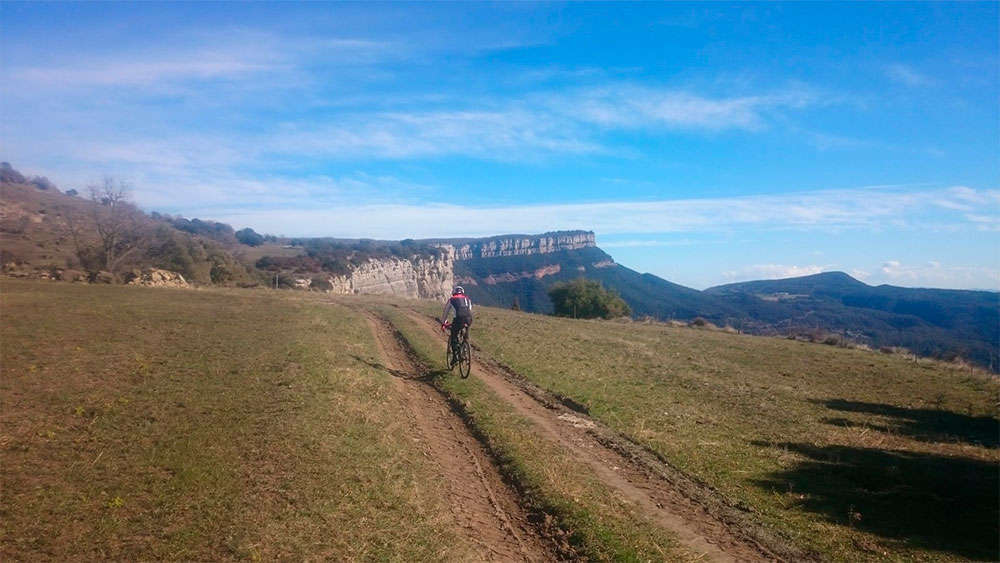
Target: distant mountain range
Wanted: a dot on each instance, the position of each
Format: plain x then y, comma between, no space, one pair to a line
38,239
940,323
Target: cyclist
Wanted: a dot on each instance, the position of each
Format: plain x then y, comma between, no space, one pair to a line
463,314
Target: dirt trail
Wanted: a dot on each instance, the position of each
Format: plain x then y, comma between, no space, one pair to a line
485,509
694,527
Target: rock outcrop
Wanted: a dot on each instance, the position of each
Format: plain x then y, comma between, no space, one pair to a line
516,245
155,277
420,277
508,277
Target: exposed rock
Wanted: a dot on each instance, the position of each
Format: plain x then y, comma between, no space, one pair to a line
155,277
508,277
72,275
417,278
525,245
102,277
604,264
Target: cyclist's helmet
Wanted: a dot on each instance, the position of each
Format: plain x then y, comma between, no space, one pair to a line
459,291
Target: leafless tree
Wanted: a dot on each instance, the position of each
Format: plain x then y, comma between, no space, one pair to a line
116,221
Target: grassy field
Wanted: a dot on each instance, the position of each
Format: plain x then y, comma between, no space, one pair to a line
174,424
852,454
140,423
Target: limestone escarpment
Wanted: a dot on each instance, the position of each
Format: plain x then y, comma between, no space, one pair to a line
517,245
419,277
508,277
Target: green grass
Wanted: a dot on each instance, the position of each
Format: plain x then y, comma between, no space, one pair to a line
602,526
850,453
169,424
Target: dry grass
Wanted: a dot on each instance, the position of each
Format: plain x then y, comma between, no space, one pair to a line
851,453
143,424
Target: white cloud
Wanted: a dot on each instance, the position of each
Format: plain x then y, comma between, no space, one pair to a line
773,272
822,211
627,106
652,243
493,134
230,54
529,129
936,274
907,75
137,73
860,274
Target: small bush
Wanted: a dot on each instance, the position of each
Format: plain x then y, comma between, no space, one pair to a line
587,299
701,322
321,283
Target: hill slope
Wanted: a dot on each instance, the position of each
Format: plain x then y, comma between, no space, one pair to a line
498,281
933,322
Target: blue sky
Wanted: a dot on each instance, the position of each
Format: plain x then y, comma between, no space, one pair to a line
705,143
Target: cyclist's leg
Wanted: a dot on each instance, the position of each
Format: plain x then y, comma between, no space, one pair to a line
456,326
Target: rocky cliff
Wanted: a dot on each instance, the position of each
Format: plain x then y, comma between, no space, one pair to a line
522,245
420,277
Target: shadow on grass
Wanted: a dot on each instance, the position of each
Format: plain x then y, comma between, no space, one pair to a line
926,425
936,502
402,374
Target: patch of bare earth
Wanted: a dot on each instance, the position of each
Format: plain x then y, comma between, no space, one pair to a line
679,507
485,510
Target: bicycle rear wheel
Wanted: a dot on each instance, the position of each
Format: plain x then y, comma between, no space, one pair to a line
465,359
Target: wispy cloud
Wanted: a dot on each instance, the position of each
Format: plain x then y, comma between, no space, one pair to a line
533,128
773,271
136,73
934,274
627,106
822,211
907,75
653,243
235,54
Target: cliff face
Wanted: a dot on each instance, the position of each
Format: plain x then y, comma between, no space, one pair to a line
525,245
416,278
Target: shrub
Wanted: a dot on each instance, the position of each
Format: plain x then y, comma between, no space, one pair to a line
587,299
321,283
249,237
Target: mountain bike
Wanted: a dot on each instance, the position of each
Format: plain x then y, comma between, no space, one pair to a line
462,355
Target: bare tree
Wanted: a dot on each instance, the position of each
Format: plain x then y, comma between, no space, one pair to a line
113,217
116,223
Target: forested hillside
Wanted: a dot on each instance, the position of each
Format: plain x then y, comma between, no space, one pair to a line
945,324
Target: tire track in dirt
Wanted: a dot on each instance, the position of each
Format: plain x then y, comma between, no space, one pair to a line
485,510
694,527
